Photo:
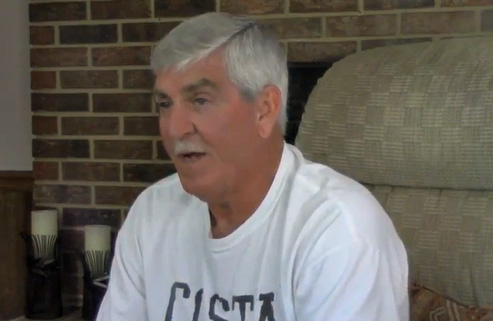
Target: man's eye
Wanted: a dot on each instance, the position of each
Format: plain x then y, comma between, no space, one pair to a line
163,104
201,101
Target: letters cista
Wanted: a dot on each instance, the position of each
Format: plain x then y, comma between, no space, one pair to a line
238,303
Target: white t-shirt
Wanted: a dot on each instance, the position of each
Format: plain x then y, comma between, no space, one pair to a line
319,247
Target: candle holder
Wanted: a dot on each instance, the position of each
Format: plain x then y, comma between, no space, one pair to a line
96,265
43,288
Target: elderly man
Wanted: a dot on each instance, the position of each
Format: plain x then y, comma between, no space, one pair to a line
247,229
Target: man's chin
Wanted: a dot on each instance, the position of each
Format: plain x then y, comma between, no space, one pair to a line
197,187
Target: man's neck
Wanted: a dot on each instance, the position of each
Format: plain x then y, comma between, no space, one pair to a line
227,215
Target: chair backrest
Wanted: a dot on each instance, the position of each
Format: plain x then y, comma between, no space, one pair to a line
415,124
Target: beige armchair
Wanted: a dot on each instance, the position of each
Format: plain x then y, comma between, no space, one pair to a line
414,123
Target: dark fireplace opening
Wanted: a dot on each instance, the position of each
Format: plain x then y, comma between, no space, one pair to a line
302,79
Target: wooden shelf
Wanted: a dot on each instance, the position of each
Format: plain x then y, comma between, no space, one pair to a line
16,180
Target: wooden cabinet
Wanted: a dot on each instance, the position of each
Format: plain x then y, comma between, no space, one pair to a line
15,205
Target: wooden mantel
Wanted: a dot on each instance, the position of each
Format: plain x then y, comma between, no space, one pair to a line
16,190
16,180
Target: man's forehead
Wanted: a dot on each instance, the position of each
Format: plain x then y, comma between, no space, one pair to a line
202,82
191,86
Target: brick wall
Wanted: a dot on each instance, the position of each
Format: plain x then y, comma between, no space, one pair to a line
95,127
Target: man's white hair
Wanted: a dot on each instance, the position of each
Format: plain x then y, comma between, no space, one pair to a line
253,58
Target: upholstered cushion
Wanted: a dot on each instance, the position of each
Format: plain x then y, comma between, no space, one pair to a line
448,236
429,305
417,115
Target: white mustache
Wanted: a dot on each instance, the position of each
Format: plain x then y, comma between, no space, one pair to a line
183,147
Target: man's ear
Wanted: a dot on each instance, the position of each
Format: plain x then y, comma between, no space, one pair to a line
269,105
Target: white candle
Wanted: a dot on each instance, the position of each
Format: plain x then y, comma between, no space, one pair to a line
97,237
44,222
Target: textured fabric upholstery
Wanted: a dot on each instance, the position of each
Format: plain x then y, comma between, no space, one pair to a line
415,124
416,115
449,238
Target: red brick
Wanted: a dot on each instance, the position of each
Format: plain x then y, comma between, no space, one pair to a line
44,125
252,6
43,79
86,216
438,22
44,35
58,57
89,79
183,8
71,239
146,32
487,20
59,102
161,152
45,170
72,194
323,6
120,9
353,26
138,79
319,51
293,27
141,126
123,149
460,3
397,4
86,171
369,44
121,56
148,173
60,148
90,126
57,11
88,34
124,103
117,195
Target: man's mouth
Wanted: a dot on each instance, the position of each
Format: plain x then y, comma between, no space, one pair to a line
191,156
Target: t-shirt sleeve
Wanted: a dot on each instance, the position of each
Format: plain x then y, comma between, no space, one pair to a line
354,282
125,296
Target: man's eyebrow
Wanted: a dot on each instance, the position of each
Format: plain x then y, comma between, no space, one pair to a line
159,94
203,82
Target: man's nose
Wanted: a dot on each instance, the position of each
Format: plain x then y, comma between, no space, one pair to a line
179,123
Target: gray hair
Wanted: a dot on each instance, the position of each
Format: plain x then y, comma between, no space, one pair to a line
253,57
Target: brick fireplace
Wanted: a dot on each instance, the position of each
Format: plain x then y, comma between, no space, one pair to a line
96,144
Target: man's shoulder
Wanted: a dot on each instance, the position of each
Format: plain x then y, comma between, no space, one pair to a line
161,203
332,210
322,181
170,181
166,190
332,199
